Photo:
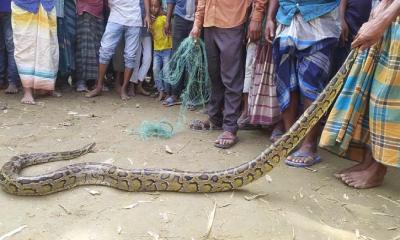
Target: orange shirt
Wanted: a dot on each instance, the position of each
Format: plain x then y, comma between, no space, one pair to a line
227,13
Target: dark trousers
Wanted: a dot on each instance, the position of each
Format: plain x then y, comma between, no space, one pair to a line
225,51
181,29
7,60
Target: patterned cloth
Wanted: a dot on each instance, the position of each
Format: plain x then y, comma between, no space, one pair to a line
367,110
36,47
66,37
302,52
33,6
88,36
302,34
309,9
263,102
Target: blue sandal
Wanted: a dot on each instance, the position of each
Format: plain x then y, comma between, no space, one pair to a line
169,102
310,159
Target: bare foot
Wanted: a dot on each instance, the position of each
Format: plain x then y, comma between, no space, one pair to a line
371,177
124,96
117,87
94,93
367,161
11,89
28,97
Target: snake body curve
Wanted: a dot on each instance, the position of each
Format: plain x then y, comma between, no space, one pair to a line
145,180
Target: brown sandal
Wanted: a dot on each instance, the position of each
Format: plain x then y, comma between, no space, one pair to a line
233,140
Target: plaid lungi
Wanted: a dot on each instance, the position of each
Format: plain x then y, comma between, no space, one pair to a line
90,29
367,110
66,37
263,102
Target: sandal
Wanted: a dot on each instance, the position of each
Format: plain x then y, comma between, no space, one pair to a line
169,102
191,107
230,140
199,125
276,135
310,159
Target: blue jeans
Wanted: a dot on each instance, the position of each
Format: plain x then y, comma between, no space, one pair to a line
160,60
7,60
113,34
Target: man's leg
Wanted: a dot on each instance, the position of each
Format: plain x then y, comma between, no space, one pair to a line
146,63
248,77
216,104
181,30
13,77
135,74
109,42
3,60
132,42
313,74
230,44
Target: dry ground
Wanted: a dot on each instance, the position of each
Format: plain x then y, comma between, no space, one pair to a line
298,203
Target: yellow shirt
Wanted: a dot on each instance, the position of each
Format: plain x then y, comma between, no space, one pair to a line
161,42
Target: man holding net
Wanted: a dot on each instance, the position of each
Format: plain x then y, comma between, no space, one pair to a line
224,35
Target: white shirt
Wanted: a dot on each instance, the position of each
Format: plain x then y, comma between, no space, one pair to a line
125,12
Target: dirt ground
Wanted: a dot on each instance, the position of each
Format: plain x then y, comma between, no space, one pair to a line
297,203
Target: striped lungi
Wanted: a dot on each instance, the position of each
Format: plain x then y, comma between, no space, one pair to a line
36,47
263,102
302,53
90,29
367,110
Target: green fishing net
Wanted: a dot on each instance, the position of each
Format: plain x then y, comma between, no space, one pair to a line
189,62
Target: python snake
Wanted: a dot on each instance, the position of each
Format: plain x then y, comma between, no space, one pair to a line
145,180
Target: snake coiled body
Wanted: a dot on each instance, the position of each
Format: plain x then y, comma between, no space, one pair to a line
145,180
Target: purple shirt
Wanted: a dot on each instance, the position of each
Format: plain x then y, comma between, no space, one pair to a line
5,6
93,7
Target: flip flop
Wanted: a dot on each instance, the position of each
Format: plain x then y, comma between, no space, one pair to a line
311,159
275,135
169,102
229,145
199,125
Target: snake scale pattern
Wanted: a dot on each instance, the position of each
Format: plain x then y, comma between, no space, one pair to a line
145,180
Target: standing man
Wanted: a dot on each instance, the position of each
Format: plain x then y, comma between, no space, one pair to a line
7,48
125,22
307,33
223,23
183,12
89,30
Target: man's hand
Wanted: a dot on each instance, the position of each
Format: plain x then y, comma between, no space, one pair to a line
196,32
167,28
270,31
369,33
254,33
147,22
344,35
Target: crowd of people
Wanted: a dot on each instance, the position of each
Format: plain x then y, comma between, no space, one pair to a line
267,62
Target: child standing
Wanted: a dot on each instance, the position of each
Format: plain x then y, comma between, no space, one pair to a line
162,47
125,20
